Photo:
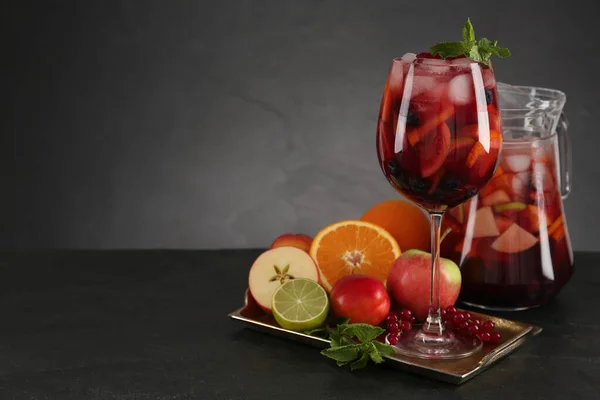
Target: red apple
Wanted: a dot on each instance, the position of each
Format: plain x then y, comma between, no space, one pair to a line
409,282
274,267
361,298
299,240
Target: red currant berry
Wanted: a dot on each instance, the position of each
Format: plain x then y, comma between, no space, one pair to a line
474,330
406,326
464,326
451,310
393,327
405,314
495,337
443,313
457,319
392,317
475,321
467,315
393,339
413,319
485,337
488,326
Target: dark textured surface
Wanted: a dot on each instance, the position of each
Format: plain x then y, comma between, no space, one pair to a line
220,124
154,325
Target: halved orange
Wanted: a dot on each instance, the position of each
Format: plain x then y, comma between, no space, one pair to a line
353,247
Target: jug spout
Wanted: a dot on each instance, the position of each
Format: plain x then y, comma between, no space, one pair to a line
529,112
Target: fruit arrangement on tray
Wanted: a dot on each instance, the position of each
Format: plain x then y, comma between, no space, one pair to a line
353,285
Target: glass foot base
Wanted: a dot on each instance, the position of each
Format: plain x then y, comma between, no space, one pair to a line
492,308
420,344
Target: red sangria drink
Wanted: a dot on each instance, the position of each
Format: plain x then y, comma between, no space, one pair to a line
438,143
439,135
511,241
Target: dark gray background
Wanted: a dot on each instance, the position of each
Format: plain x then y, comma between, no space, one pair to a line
190,124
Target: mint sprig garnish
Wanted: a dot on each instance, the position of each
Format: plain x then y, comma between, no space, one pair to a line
354,344
478,50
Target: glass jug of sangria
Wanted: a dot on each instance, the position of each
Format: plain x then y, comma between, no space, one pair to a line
511,240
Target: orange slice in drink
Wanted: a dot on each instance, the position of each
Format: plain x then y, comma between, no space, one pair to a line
353,247
429,123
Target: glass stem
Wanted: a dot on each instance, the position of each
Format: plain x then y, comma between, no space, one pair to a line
433,325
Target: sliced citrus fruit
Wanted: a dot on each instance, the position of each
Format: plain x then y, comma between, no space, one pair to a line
429,123
300,305
555,225
353,247
433,153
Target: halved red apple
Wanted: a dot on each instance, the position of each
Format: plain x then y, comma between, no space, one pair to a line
515,239
276,266
485,224
433,154
298,240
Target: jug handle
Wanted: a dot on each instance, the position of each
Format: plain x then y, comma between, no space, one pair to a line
564,154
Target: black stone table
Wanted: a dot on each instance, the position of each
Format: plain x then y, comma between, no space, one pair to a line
154,325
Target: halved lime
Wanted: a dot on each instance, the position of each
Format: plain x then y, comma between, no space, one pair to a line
300,305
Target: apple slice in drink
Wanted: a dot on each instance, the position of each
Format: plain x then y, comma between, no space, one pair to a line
494,198
503,223
515,239
485,224
275,267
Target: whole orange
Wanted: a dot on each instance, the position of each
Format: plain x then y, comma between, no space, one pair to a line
405,221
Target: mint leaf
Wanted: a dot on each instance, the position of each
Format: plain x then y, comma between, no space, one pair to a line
341,363
342,353
319,332
374,353
384,349
360,363
501,52
468,33
336,339
448,49
364,332
474,54
478,50
376,357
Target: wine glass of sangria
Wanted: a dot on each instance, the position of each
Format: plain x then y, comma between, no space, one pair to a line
438,143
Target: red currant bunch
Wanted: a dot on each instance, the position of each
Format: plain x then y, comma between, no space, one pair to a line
398,323
464,323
